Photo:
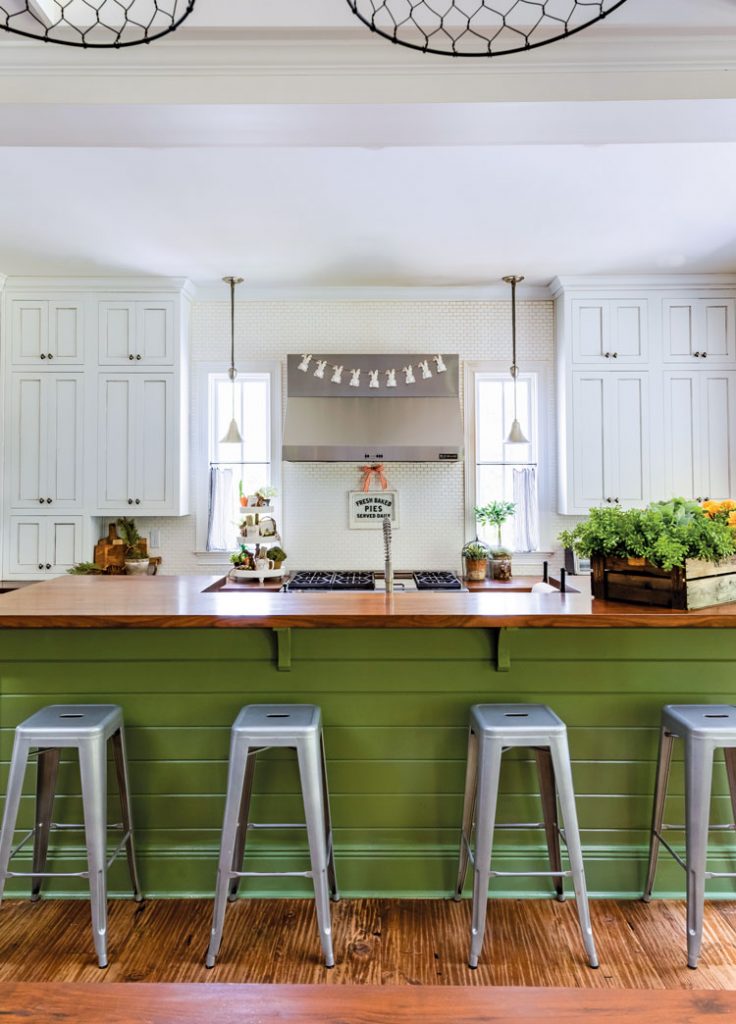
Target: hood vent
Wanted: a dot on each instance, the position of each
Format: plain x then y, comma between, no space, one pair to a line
328,420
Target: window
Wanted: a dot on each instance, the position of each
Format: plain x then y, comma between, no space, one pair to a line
226,469
503,471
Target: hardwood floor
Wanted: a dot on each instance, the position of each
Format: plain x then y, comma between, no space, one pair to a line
377,942
297,1004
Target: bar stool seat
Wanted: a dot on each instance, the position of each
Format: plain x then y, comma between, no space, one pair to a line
258,727
495,728
86,728
705,728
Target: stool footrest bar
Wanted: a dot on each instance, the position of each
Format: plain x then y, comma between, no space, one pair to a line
530,874
255,826
270,874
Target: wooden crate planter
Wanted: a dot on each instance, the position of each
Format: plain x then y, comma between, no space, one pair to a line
698,585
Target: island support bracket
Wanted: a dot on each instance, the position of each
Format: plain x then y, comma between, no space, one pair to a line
503,649
283,649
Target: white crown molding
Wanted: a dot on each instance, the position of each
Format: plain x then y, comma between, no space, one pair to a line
600,284
101,284
355,66
212,292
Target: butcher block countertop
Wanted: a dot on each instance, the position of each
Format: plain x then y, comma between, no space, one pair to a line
191,602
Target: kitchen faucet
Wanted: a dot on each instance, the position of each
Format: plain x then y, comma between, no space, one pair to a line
389,569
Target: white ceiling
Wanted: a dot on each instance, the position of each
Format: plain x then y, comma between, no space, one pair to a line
335,193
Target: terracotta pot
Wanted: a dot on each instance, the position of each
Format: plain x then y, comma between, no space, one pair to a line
476,568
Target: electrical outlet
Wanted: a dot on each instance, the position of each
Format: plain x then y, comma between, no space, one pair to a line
155,539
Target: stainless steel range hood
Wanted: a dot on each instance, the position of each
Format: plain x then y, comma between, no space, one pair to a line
329,421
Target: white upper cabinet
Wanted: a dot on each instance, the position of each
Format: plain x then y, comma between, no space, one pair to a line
610,431
137,332
138,445
699,329
700,433
47,333
609,331
47,440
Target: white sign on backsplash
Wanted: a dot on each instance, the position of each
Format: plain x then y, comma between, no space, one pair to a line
368,509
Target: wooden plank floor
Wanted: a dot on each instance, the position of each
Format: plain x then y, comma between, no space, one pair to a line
298,1004
377,942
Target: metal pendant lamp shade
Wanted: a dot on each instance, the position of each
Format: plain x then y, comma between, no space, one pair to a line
94,24
233,435
516,434
479,28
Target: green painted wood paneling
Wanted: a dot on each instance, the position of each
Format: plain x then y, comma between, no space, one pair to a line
395,706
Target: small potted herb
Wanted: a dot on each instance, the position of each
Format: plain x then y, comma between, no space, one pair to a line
476,555
136,548
277,556
495,514
243,497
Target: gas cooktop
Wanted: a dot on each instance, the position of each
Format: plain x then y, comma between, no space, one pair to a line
344,581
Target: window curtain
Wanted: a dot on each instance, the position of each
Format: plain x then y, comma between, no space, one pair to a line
220,526
526,527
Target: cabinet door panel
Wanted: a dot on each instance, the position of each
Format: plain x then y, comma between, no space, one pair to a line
116,332
66,332
629,330
717,320
627,426
30,327
116,442
155,333
63,544
681,404
155,450
718,422
678,325
27,546
65,440
589,330
28,440
589,440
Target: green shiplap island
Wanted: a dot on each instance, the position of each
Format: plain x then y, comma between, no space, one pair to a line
395,677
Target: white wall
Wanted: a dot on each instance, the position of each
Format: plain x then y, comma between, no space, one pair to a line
314,501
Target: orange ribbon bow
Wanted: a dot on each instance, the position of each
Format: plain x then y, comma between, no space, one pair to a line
369,471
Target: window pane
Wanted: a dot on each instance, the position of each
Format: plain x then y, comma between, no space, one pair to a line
249,401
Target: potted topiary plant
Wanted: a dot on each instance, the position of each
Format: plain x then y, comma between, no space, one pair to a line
476,555
277,555
136,548
495,514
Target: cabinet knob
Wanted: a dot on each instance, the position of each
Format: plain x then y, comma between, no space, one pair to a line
131,357
51,355
139,356
48,501
43,356
137,501
40,565
615,501
41,501
615,355
696,354
130,501
48,565
607,355
703,355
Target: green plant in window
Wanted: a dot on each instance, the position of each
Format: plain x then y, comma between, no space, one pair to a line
495,513
666,533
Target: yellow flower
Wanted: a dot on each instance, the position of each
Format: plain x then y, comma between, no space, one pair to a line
732,519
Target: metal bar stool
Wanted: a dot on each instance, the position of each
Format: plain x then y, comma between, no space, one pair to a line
258,727
495,728
87,729
705,728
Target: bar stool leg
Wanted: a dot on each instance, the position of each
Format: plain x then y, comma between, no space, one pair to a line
729,756
242,828
698,772
489,773
308,753
121,770
547,792
235,785
563,772
93,770
664,759
331,873
18,764
466,829
46,775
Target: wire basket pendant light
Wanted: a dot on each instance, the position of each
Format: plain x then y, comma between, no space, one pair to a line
516,434
94,24
233,435
479,28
